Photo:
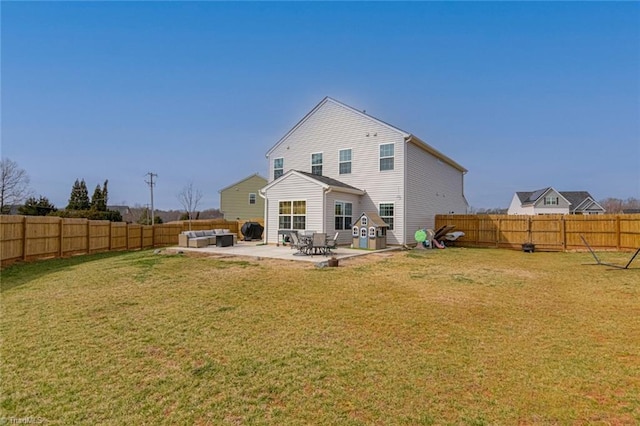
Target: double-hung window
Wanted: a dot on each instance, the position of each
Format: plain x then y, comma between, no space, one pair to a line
316,163
345,161
278,167
386,156
386,213
551,201
252,198
292,214
343,215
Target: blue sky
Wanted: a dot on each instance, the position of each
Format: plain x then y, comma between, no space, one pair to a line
523,94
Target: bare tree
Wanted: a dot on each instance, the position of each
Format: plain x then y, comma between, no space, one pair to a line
14,184
189,197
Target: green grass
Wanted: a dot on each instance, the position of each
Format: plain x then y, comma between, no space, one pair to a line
456,336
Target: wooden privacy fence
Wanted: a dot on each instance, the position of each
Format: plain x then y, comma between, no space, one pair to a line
29,238
547,232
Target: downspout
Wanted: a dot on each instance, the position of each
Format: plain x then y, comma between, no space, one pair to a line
324,208
265,240
404,194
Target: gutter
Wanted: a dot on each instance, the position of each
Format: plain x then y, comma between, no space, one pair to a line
265,240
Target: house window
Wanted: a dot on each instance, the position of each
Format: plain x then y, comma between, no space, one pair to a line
386,157
278,168
316,163
355,231
372,232
343,215
551,201
386,213
345,161
252,198
292,215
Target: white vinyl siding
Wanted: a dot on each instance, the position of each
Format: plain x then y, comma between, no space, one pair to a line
433,187
331,127
289,188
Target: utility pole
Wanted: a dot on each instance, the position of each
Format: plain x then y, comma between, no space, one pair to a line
150,182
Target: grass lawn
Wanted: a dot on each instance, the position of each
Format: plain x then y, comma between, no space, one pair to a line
455,336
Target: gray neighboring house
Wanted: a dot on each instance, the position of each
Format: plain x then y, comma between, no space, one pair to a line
240,200
550,201
338,162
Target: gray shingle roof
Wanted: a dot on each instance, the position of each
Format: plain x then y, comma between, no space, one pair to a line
328,181
574,197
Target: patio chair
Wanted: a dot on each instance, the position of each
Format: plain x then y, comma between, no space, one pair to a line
302,247
333,244
319,243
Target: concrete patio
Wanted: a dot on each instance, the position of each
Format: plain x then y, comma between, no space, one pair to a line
257,249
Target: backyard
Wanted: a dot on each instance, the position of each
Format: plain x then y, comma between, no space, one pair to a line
455,336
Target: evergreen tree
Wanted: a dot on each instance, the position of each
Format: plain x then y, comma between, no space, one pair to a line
79,198
73,198
83,201
37,207
105,194
97,200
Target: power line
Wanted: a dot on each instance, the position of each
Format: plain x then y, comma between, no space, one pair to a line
150,182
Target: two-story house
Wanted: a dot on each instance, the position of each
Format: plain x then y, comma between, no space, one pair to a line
550,201
240,200
338,162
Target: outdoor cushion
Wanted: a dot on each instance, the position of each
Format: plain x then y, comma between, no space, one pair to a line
191,234
199,233
209,233
218,231
226,231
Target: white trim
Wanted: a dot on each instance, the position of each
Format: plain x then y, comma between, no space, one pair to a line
291,215
380,157
350,161
343,215
321,162
274,167
394,213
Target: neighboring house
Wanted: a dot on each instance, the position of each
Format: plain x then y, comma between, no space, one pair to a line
550,201
338,162
240,201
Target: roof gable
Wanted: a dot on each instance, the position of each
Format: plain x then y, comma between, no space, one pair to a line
243,180
326,100
374,219
324,181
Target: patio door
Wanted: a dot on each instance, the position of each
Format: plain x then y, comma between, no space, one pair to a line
363,238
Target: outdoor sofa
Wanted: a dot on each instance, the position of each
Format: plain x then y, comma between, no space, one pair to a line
198,239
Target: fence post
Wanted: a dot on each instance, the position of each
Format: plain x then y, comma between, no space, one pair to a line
126,234
563,234
61,237
618,232
88,236
24,238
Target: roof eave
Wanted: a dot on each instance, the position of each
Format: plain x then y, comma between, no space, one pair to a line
431,150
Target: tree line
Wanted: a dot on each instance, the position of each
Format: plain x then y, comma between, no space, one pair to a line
15,191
